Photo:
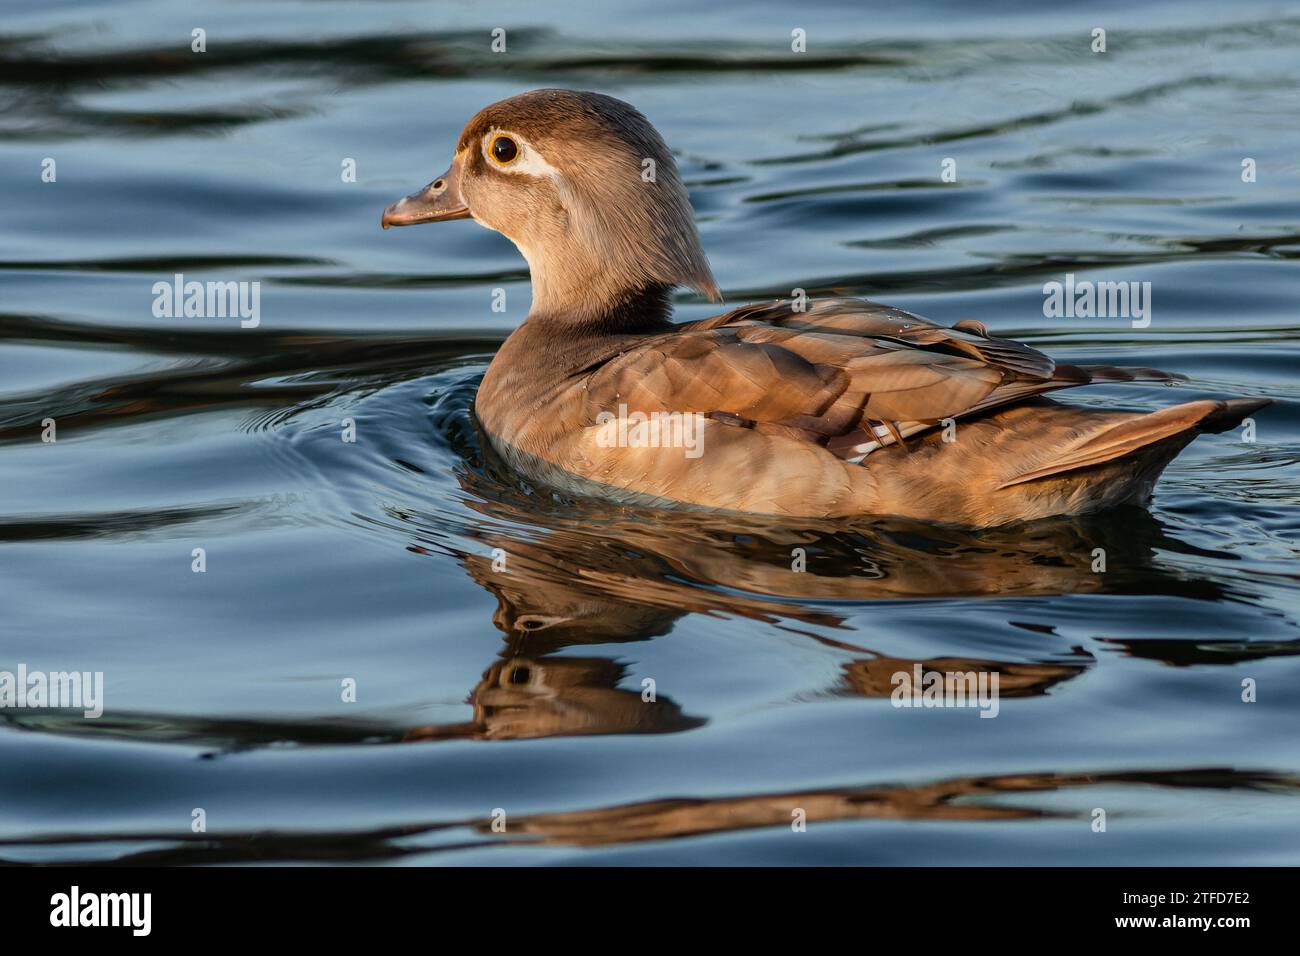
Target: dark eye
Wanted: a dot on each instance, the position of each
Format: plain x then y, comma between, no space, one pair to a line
504,150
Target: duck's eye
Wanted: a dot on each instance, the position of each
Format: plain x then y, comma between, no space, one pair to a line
505,150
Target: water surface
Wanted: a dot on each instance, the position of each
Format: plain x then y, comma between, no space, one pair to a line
480,691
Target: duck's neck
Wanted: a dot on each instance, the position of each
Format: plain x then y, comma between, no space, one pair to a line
551,348
633,312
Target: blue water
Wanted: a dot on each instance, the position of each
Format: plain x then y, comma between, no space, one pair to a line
517,696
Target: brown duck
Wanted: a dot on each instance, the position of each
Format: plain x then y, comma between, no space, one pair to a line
834,408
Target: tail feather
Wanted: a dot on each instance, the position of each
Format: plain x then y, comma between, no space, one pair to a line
1172,428
1232,412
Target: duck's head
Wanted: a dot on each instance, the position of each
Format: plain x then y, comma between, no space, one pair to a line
586,189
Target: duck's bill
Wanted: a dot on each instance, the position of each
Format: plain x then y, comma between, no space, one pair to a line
437,202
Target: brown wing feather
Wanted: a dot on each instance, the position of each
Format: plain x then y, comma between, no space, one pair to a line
830,373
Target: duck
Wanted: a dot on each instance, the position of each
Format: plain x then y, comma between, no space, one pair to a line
828,408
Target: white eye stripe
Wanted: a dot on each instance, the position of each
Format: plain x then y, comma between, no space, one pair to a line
529,161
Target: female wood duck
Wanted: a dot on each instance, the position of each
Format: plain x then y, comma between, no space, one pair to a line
834,408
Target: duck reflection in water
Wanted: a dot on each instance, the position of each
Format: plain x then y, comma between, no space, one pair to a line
563,577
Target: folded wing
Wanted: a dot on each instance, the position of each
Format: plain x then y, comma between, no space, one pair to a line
849,374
